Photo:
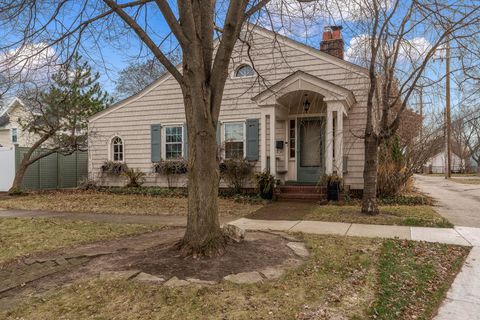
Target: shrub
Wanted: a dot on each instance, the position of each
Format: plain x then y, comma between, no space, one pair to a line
169,168
265,184
236,172
88,184
135,176
329,179
391,179
114,168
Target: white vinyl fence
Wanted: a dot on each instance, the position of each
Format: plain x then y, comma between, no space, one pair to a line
7,167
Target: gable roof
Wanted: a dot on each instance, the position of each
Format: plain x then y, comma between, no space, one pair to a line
299,80
4,113
256,29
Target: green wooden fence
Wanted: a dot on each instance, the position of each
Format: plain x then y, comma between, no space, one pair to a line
55,171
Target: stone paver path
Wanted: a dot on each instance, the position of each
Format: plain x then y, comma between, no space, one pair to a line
463,298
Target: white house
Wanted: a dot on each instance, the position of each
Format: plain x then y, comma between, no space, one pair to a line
294,110
438,163
11,132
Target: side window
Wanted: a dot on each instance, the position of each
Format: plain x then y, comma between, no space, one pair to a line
234,140
14,135
117,149
173,142
291,141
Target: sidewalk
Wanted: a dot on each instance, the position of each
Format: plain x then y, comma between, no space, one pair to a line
463,298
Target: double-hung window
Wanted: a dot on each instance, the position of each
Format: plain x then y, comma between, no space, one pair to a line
234,140
173,142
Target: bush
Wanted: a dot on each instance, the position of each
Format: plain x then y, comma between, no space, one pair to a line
135,176
236,172
391,179
170,168
88,184
114,168
405,200
265,184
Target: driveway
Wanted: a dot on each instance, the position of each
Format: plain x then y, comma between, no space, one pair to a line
459,203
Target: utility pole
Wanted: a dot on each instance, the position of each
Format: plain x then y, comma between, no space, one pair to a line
448,123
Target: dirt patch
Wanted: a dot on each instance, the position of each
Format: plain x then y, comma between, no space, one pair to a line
283,210
258,251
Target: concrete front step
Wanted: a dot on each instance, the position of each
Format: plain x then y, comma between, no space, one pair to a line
301,196
301,189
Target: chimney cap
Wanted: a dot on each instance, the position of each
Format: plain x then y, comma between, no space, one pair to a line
332,28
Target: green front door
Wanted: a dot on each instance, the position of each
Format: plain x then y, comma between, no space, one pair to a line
310,154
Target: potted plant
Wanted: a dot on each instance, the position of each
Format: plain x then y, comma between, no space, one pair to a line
265,183
333,183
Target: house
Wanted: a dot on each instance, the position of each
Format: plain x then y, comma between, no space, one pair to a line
11,132
438,163
302,118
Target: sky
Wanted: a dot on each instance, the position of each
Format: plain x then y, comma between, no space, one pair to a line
109,54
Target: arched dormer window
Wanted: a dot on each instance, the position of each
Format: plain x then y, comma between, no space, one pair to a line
117,149
244,70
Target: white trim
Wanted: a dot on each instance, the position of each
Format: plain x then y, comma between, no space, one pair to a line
11,104
238,66
163,142
110,148
11,135
222,135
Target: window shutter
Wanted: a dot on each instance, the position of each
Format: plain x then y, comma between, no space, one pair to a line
252,139
185,141
219,132
155,142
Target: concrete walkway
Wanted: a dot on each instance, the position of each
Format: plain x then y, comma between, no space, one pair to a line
463,298
459,203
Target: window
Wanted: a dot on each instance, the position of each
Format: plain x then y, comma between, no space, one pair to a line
244,71
173,142
291,142
117,149
14,135
234,140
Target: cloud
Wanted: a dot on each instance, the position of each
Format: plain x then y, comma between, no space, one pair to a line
29,62
411,50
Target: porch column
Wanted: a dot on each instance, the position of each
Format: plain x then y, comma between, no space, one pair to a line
329,140
273,158
263,140
339,143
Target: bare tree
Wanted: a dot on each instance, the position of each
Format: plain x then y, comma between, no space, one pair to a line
396,60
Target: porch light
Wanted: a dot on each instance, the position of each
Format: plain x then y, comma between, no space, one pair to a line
306,104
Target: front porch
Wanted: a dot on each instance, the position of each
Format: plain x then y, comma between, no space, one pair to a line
302,135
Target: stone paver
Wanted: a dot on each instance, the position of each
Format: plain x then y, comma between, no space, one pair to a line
299,249
449,236
244,278
146,277
463,298
175,282
368,230
272,273
321,227
277,225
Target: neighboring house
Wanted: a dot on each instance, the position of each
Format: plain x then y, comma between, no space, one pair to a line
11,132
301,119
438,163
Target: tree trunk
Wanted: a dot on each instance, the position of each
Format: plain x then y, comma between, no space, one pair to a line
16,187
203,236
369,201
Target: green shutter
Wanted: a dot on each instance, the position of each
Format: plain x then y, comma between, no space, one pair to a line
219,132
155,142
185,141
252,139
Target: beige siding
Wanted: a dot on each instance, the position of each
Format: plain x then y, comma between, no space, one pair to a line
24,138
163,104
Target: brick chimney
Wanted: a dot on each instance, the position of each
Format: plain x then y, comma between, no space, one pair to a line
332,41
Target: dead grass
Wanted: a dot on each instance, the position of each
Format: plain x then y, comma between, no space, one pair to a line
99,202
345,278
22,236
472,180
424,216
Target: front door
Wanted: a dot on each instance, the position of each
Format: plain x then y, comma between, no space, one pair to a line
310,152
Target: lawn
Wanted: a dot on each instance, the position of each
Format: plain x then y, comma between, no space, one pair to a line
101,202
469,180
22,236
344,278
402,215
